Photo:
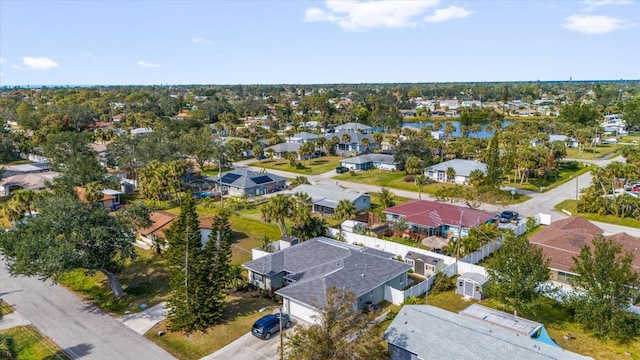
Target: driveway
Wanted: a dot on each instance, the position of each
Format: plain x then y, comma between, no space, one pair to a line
248,347
80,329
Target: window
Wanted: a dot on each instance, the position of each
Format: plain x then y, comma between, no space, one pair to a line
477,288
460,283
258,278
410,262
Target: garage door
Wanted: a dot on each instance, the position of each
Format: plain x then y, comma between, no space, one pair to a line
301,311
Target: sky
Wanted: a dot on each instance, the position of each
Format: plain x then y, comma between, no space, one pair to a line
143,42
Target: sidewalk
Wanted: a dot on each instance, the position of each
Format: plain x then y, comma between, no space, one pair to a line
12,320
143,321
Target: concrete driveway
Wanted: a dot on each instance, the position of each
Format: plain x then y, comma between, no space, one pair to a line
248,347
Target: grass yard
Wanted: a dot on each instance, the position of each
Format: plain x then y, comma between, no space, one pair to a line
558,322
595,152
247,234
390,179
566,172
571,206
314,166
31,345
240,315
144,280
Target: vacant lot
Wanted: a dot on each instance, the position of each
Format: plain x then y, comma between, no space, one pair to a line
307,167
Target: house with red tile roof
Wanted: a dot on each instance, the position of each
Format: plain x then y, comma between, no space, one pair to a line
437,219
562,240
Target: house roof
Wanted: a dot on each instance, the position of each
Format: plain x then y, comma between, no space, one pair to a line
26,168
433,333
245,178
562,240
461,166
327,194
424,258
32,181
432,214
81,191
285,147
502,319
160,220
305,136
370,158
141,131
475,277
356,137
318,264
351,126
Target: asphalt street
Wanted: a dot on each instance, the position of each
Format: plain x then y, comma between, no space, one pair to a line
81,330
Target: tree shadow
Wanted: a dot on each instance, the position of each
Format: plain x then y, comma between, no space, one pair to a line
74,352
244,306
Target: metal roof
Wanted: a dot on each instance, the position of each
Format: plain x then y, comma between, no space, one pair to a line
504,320
461,166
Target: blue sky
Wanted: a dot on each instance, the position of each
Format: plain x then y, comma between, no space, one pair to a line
271,42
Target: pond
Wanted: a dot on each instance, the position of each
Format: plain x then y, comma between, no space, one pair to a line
484,134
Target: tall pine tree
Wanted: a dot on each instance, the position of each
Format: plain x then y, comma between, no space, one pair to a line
493,175
184,254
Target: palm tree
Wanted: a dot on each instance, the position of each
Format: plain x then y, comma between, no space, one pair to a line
386,198
306,150
345,210
365,143
421,180
451,174
276,210
270,153
299,180
7,348
377,138
93,192
413,166
301,206
22,201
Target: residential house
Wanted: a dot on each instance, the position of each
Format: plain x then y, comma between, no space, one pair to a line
326,197
241,182
141,131
32,181
116,119
160,220
471,103
568,141
424,265
563,239
281,150
110,198
471,285
354,127
21,169
354,143
428,332
437,219
370,161
302,274
462,169
450,104
302,137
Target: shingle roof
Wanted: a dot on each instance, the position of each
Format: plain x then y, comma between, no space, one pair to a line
461,166
305,135
563,239
433,214
245,178
321,263
352,126
285,147
159,220
356,137
425,258
475,277
32,181
433,333
368,158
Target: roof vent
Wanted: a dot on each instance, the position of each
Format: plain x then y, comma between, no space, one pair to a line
362,275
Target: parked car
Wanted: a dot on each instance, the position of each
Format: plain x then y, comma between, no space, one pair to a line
268,325
342,169
508,216
635,187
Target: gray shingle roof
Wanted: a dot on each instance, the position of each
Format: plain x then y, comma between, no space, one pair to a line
245,178
462,167
321,263
305,135
478,278
285,147
433,333
352,126
425,258
356,137
368,158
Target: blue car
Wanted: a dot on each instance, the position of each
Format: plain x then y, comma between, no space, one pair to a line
268,325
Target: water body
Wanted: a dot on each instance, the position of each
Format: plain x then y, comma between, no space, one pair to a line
484,134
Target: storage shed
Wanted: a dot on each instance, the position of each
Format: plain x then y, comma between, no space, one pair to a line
470,284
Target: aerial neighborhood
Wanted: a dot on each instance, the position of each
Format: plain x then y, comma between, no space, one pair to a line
331,218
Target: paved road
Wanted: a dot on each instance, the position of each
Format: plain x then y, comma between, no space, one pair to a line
80,329
248,347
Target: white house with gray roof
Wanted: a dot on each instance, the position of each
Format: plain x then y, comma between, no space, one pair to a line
354,142
326,197
241,182
428,332
280,150
370,161
302,137
462,168
303,273
362,128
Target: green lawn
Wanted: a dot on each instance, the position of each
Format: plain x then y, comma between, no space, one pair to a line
566,172
390,179
558,322
571,206
308,167
595,152
240,315
31,345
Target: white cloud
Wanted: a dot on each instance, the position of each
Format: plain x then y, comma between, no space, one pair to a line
592,4
199,40
595,24
357,15
146,64
2,60
38,63
446,14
